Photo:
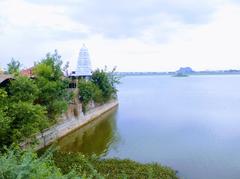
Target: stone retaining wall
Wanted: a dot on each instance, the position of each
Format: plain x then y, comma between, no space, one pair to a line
67,126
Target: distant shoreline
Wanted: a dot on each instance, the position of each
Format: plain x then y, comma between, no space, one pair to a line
170,74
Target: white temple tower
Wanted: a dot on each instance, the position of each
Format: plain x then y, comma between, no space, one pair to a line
83,64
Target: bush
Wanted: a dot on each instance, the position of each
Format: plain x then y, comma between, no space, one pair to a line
26,164
26,119
101,88
88,91
23,89
102,79
94,167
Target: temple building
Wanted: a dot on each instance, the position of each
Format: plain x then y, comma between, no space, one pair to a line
83,69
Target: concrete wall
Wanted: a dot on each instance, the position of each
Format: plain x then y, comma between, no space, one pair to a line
70,122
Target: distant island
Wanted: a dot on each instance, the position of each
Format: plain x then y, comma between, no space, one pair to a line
183,71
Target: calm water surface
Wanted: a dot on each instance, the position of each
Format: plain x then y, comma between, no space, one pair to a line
190,124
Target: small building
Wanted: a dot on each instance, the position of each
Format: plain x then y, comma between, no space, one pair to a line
5,79
27,72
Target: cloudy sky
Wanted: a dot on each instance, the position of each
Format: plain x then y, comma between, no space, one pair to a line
134,35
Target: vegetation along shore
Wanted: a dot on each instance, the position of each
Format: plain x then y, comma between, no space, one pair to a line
31,103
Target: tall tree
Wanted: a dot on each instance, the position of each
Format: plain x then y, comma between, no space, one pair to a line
19,116
14,67
52,85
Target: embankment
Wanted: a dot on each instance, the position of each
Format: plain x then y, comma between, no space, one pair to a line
68,125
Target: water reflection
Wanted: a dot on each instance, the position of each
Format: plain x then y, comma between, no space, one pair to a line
94,138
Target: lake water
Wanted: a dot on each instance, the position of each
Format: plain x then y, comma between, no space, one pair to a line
190,124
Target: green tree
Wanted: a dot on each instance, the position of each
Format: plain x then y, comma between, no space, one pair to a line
65,68
85,91
3,98
19,116
23,89
52,85
14,67
88,91
4,129
4,119
26,119
106,83
101,88
114,79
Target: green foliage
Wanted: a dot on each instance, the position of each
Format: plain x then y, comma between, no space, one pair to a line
88,91
4,119
43,70
101,88
16,163
26,164
4,128
23,89
52,86
20,117
3,98
97,94
14,67
93,167
115,168
77,162
102,80
26,119
26,105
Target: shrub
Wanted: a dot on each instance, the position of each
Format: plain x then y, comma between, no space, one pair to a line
88,91
110,168
26,164
101,79
23,89
101,88
26,119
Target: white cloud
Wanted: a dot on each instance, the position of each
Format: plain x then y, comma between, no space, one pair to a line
25,29
20,14
29,32
208,46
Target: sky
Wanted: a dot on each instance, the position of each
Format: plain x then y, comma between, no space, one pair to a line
133,35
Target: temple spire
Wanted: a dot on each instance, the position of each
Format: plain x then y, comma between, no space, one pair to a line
84,64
